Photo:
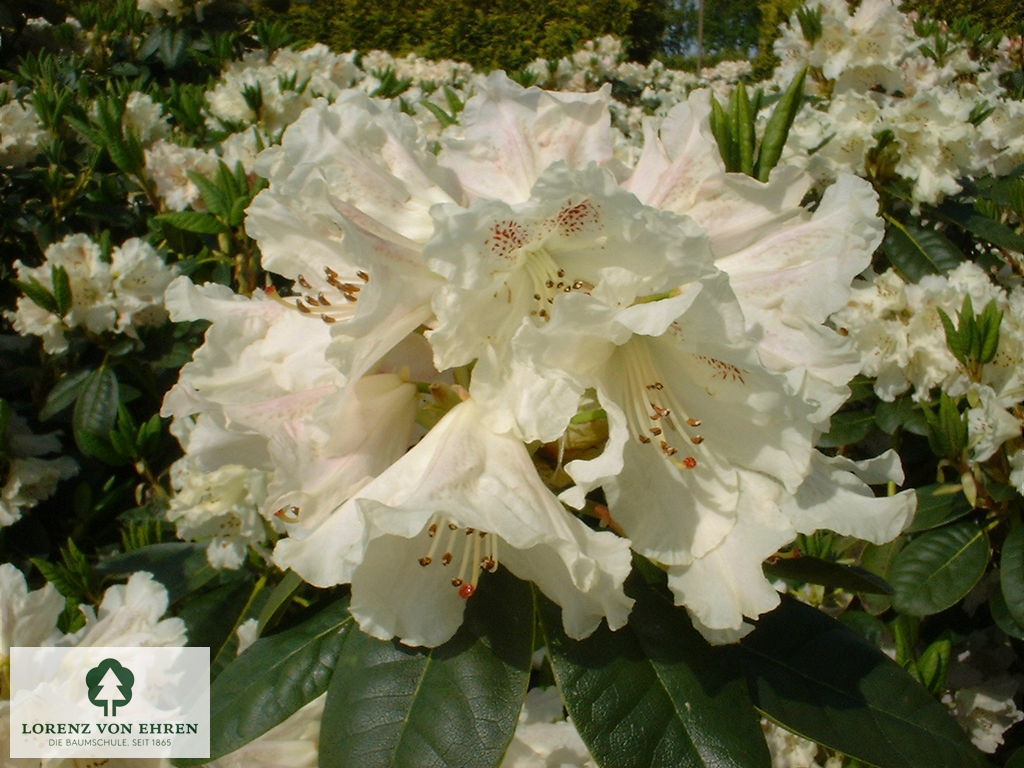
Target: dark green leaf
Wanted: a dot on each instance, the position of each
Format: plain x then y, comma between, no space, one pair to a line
61,289
211,616
5,419
937,505
1001,614
38,293
818,678
986,228
917,252
847,427
938,568
902,413
216,199
814,570
654,693
391,705
95,411
193,221
1011,573
745,119
180,566
274,678
721,130
777,129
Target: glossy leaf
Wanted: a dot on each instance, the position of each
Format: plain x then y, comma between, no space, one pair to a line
95,411
814,570
274,678
846,428
776,131
937,505
917,252
64,393
392,705
1011,573
818,678
182,567
654,693
939,567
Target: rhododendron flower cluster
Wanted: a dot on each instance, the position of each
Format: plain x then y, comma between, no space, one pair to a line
501,293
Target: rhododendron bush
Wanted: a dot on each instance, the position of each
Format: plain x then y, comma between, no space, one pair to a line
592,414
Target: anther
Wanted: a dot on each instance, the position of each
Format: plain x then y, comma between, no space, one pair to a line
456,582
304,282
446,558
561,273
452,527
312,301
667,449
301,307
697,439
432,530
643,438
363,276
425,561
689,462
323,299
328,319
693,422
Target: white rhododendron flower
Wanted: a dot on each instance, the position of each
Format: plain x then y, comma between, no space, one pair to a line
679,305
28,478
414,541
116,295
21,134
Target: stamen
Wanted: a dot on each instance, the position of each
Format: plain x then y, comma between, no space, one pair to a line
478,553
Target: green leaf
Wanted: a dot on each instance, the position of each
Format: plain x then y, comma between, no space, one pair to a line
938,568
391,705
38,293
216,199
654,693
947,429
61,289
745,119
878,558
95,411
182,567
846,428
902,413
933,665
937,505
721,130
1011,573
982,226
777,129
917,252
818,678
274,678
193,221
814,570
1001,614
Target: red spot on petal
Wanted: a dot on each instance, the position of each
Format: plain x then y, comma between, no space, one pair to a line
466,591
689,462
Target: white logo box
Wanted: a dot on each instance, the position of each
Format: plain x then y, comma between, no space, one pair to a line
137,702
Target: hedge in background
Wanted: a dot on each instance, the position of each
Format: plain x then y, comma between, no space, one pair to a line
500,33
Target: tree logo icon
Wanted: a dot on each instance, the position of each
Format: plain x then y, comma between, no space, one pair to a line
110,685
